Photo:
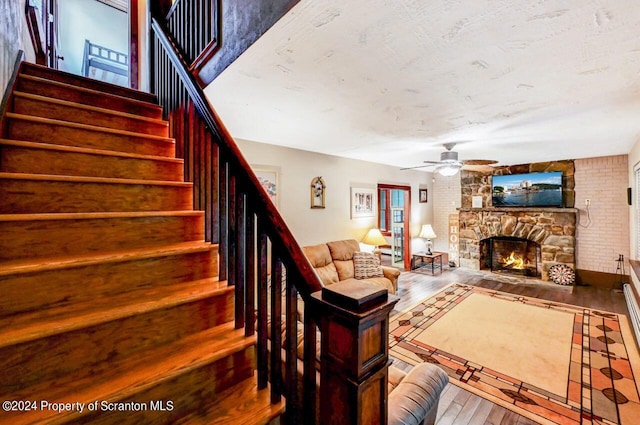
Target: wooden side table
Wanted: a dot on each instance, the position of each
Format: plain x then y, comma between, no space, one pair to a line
433,261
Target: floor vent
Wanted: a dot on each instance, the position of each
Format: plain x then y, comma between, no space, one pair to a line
634,311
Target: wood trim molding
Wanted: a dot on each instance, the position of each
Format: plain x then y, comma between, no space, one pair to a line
600,279
36,33
134,73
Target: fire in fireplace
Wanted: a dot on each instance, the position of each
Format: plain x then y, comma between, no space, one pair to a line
510,255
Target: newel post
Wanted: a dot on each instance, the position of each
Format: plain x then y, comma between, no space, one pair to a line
354,324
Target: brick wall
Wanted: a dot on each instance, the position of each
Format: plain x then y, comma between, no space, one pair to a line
446,200
603,180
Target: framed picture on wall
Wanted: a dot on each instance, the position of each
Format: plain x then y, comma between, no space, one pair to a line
362,202
268,178
422,195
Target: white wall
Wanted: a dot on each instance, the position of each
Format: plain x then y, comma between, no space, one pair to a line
634,162
312,226
14,36
94,21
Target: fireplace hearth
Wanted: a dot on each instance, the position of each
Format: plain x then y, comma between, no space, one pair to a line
503,254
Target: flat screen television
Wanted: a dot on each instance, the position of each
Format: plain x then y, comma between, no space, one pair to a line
527,190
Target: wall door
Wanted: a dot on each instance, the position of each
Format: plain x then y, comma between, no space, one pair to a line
394,206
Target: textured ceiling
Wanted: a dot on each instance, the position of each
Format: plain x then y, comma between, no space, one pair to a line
517,81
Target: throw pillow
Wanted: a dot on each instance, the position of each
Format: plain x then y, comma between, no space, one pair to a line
366,265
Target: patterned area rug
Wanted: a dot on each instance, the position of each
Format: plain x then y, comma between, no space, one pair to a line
575,370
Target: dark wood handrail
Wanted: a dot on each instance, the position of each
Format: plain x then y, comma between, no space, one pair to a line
280,233
8,92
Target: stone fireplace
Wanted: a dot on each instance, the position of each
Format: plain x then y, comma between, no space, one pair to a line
553,229
505,254
546,235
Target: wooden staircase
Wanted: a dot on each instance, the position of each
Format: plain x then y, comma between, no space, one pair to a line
108,291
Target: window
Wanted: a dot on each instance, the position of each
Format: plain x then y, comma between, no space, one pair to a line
389,198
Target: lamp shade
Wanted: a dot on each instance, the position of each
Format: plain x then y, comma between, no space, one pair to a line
427,232
374,237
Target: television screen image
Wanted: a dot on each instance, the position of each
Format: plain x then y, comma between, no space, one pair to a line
527,190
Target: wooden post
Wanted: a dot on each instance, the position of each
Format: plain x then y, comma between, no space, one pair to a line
354,323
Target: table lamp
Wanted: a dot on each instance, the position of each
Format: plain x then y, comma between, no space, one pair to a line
374,237
427,233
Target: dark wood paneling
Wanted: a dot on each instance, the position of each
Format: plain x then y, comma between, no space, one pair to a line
601,279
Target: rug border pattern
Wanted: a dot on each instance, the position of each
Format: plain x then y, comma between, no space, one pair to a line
600,371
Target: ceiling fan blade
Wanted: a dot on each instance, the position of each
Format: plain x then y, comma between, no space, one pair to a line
480,168
419,166
479,162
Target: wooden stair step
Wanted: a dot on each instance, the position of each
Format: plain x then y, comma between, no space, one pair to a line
188,372
86,96
45,130
53,321
31,236
63,262
45,282
85,82
44,158
242,404
100,334
43,193
63,110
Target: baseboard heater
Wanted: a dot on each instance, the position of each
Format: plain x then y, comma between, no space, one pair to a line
634,311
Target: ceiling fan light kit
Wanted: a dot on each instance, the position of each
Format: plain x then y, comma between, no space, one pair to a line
449,165
448,170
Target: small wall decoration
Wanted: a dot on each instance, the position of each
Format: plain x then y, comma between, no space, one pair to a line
317,192
362,202
562,274
476,202
454,239
268,178
422,195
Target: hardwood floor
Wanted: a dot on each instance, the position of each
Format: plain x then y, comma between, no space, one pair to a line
458,406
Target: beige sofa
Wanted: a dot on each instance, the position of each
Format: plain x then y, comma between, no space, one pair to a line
334,262
413,396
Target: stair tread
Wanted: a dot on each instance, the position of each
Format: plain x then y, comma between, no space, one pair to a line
130,93
13,115
90,151
39,324
91,108
241,404
91,91
96,215
82,179
139,373
62,262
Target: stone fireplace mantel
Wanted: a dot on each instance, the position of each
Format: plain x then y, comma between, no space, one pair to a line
552,228
522,209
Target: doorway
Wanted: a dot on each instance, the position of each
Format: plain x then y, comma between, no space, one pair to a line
394,207
93,38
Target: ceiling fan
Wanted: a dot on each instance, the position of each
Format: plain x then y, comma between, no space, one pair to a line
449,163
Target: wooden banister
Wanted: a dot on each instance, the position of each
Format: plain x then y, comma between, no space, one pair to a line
258,254
278,230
